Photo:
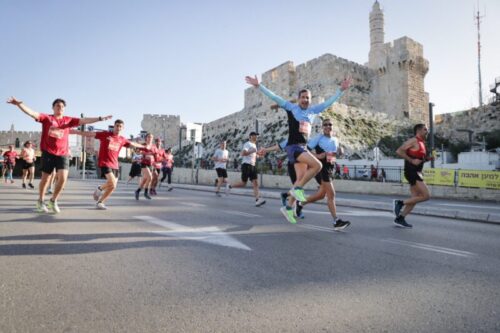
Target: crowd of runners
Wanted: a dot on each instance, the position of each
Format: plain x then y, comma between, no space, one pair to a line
308,158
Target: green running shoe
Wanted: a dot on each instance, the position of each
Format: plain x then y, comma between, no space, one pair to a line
298,194
288,213
53,206
41,207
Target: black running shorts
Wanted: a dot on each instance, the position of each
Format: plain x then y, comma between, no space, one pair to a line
248,171
51,162
221,172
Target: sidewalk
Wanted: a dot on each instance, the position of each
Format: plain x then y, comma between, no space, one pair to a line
383,205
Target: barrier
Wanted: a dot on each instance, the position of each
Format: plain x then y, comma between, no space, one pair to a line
444,177
479,179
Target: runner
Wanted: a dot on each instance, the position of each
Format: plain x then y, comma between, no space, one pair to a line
300,118
148,159
168,168
221,156
248,169
157,165
109,148
135,168
2,161
294,169
325,146
415,155
10,157
54,146
28,155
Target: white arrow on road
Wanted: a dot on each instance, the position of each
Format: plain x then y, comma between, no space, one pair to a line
211,235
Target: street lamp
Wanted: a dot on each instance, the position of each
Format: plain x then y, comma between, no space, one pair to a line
431,130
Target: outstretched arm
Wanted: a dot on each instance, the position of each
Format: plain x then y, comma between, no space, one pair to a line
86,134
346,83
85,121
14,101
254,81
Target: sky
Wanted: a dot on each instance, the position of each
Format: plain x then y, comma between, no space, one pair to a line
189,58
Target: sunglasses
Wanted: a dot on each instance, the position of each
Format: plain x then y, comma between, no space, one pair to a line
329,125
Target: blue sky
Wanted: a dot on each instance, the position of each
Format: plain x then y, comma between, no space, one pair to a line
189,58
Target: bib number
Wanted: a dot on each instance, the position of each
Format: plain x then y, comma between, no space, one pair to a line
114,145
56,133
331,157
305,127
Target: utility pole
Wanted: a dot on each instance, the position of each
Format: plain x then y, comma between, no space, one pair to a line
84,156
431,130
478,18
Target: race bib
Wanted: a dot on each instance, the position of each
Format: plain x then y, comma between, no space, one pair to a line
114,145
331,157
305,127
56,133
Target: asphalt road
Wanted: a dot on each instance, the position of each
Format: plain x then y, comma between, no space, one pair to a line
188,261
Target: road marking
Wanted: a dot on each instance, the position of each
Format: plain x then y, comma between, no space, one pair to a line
430,247
315,227
352,213
234,212
472,206
192,204
212,235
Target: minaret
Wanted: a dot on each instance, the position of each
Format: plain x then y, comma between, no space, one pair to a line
376,57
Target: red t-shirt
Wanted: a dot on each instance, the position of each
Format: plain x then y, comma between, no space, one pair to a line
148,155
110,148
10,156
55,133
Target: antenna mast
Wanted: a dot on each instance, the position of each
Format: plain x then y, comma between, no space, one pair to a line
478,18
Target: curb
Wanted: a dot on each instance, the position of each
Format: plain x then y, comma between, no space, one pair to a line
381,205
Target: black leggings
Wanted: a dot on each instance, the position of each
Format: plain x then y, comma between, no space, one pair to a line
167,172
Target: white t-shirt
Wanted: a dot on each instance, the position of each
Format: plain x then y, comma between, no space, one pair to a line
221,154
252,158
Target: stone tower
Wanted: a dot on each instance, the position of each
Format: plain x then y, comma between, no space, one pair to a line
377,55
398,87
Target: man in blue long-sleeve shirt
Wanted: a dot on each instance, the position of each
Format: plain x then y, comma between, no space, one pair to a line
300,119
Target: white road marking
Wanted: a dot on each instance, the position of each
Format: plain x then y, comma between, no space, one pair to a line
431,247
352,213
211,235
315,227
234,212
192,204
471,206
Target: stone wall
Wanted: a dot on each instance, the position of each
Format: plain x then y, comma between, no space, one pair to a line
485,119
9,137
161,125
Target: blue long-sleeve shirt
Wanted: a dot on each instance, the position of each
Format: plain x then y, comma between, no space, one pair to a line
300,120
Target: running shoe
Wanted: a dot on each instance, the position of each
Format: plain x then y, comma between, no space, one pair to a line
41,207
31,186
152,191
401,222
340,225
24,185
298,193
146,195
137,192
259,202
397,206
97,194
298,210
49,191
101,206
170,188
284,197
218,194
53,206
288,214
228,189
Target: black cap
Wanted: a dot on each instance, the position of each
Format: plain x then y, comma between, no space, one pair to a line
253,133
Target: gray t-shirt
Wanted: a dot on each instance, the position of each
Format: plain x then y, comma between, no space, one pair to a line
252,158
221,154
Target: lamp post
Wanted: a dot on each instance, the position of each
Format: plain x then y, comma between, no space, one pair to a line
180,136
431,130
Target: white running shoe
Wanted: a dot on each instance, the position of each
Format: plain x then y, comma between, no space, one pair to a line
97,194
53,206
260,202
101,206
41,207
